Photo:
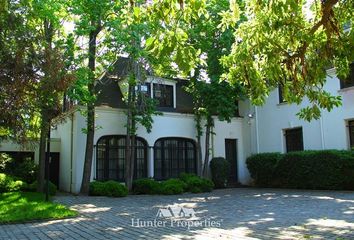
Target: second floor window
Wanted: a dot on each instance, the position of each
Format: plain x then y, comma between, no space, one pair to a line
349,81
163,94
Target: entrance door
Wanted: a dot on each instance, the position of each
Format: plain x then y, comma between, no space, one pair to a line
231,156
54,168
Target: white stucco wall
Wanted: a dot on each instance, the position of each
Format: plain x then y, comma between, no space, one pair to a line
329,132
112,122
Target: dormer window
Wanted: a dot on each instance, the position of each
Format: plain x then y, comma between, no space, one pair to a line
349,81
164,95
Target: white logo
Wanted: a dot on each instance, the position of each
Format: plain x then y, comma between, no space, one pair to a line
177,212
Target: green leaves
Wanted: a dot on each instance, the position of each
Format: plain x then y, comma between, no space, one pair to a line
281,45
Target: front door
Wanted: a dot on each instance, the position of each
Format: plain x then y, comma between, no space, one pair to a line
231,156
54,168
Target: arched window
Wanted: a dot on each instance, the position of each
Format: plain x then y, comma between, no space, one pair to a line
111,158
174,156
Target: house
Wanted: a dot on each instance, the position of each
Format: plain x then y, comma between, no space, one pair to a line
164,213
170,148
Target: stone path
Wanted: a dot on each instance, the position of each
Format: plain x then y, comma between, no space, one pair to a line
222,214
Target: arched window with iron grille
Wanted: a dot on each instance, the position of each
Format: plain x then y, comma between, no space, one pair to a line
111,158
173,156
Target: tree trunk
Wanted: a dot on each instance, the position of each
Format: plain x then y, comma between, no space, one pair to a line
45,114
42,147
208,126
128,141
86,177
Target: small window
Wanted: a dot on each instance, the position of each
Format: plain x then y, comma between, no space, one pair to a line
294,140
349,81
351,133
281,95
164,95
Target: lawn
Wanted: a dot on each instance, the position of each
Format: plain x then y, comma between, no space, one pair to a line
27,206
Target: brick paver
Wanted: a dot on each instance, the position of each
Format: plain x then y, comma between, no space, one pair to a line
236,213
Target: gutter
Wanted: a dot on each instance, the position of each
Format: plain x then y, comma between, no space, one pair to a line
71,150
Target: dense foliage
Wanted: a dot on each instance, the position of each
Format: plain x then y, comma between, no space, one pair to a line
109,189
9,184
195,184
185,183
327,169
33,187
24,169
220,169
146,186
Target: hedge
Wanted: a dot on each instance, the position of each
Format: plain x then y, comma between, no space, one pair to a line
185,183
325,169
220,169
195,184
146,186
108,188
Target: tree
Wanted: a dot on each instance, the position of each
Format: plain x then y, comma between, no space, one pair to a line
92,17
212,99
33,68
17,73
290,44
53,71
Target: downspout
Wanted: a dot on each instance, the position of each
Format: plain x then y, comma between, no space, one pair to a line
322,133
71,151
257,130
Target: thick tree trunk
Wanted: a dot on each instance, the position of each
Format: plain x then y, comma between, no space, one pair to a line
45,114
199,156
128,142
42,147
209,124
207,147
90,116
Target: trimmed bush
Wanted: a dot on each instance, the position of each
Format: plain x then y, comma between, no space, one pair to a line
146,186
262,168
220,169
196,184
327,169
9,184
109,189
33,188
172,186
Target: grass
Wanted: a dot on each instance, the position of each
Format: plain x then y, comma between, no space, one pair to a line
27,206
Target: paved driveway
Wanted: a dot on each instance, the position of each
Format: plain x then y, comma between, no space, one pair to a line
222,214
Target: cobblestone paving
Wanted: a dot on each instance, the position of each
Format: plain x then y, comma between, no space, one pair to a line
223,214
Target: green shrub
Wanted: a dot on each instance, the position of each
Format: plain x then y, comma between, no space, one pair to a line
9,184
146,186
172,186
109,189
327,169
25,169
33,188
196,184
220,169
262,168
5,159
